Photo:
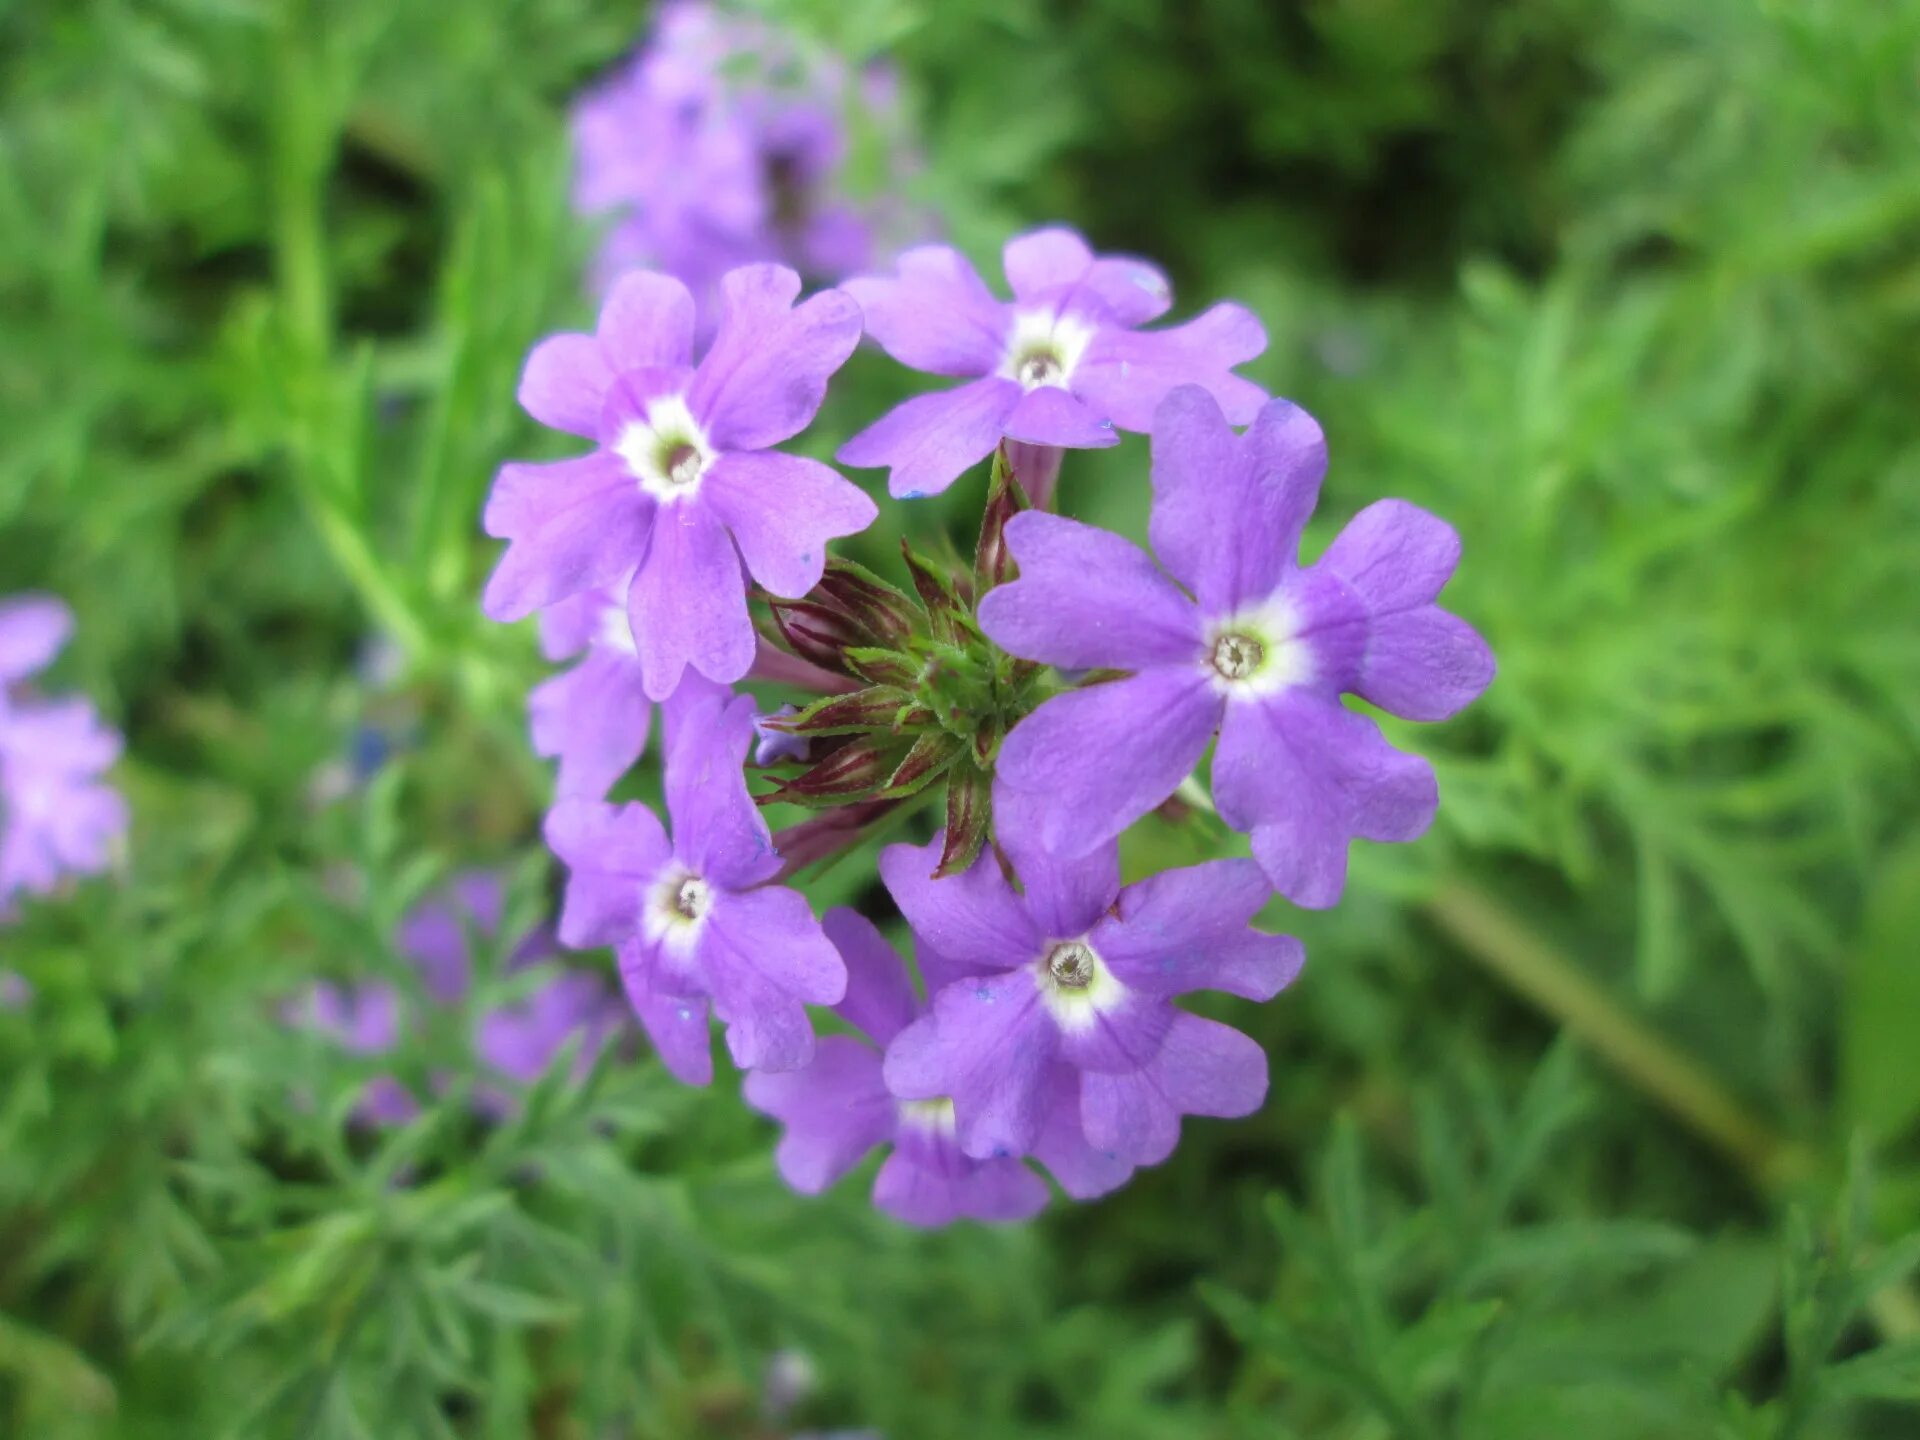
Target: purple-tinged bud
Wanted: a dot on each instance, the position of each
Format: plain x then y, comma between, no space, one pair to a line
992,560
876,708
885,610
817,633
931,756
883,667
944,607
969,819
856,771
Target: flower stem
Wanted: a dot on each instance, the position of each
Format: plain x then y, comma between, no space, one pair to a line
1526,962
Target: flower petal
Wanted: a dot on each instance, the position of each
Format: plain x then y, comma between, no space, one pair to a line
572,526
676,1024
987,1045
1186,929
611,852
1083,1172
646,322
1050,415
1102,757
937,316
1304,775
782,510
1118,1037
1065,895
835,1109
1087,599
33,629
718,831
1227,510
929,1196
1042,260
1121,290
1395,554
973,919
931,439
1125,374
565,384
688,604
879,996
594,720
1204,1068
772,930
764,378
1424,664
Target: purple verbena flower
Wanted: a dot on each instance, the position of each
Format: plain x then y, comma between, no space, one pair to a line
516,1041
694,919
56,816
681,489
722,143
1257,647
1067,997
1062,364
836,1109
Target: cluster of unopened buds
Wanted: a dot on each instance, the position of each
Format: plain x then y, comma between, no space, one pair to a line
1039,700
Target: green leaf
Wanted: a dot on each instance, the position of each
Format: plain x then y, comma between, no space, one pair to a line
1880,1063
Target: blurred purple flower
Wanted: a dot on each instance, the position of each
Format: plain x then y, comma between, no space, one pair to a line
56,816
1061,364
681,491
722,143
516,1041
1256,646
1064,992
836,1109
693,918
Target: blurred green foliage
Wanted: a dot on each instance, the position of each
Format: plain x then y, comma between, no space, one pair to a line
1628,289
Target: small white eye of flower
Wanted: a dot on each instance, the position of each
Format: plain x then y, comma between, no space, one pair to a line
1257,652
666,451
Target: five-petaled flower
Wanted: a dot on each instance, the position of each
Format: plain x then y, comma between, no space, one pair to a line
694,918
516,1041
1062,364
1069,987
838,1108
681,488
1257,647
57,818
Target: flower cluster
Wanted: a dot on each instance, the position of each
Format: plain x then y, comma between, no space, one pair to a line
515,1042
1056,691
724,142
57,817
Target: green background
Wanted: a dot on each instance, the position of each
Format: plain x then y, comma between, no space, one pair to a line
1594,1112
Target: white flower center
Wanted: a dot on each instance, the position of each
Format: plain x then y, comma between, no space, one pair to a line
666,451
1044,348
934,1115
1076,984
1257,652
676,908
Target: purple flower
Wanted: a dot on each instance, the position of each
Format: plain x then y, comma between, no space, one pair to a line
1067,997
694,919
836,1109
516,1041
681,489
1257,647
594,717
1062,364
721,144
56,817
